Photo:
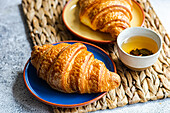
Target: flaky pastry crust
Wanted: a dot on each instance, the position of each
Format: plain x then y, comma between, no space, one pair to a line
71,68
110,16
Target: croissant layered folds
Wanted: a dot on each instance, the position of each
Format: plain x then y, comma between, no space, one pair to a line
71,68
110,16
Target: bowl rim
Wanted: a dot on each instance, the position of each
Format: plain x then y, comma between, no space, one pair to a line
93,40
72,105
141,57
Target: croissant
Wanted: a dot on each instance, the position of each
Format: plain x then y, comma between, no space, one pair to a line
110,16
71,68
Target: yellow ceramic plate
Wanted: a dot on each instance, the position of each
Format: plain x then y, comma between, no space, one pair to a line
72,22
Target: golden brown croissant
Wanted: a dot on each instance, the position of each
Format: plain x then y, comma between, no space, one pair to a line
71,68
110,16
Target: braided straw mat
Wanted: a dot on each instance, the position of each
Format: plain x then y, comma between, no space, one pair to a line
46,26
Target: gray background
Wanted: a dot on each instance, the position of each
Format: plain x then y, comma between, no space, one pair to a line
15,49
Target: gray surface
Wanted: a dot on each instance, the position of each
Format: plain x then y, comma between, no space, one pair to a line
14,52
15,49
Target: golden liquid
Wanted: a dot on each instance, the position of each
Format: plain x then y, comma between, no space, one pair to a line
139,42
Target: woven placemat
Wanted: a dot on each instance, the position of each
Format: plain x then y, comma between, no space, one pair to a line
46,26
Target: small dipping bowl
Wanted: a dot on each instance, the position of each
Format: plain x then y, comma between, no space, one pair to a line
138,63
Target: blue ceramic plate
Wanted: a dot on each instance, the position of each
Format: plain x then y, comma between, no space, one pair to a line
41,90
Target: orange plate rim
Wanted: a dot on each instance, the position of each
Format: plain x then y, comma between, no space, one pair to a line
92,40
74,105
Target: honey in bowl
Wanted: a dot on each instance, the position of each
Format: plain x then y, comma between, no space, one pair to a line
140,46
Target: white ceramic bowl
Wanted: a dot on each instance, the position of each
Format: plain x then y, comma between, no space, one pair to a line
138,63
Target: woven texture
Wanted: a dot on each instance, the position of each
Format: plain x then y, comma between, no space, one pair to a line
44,19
